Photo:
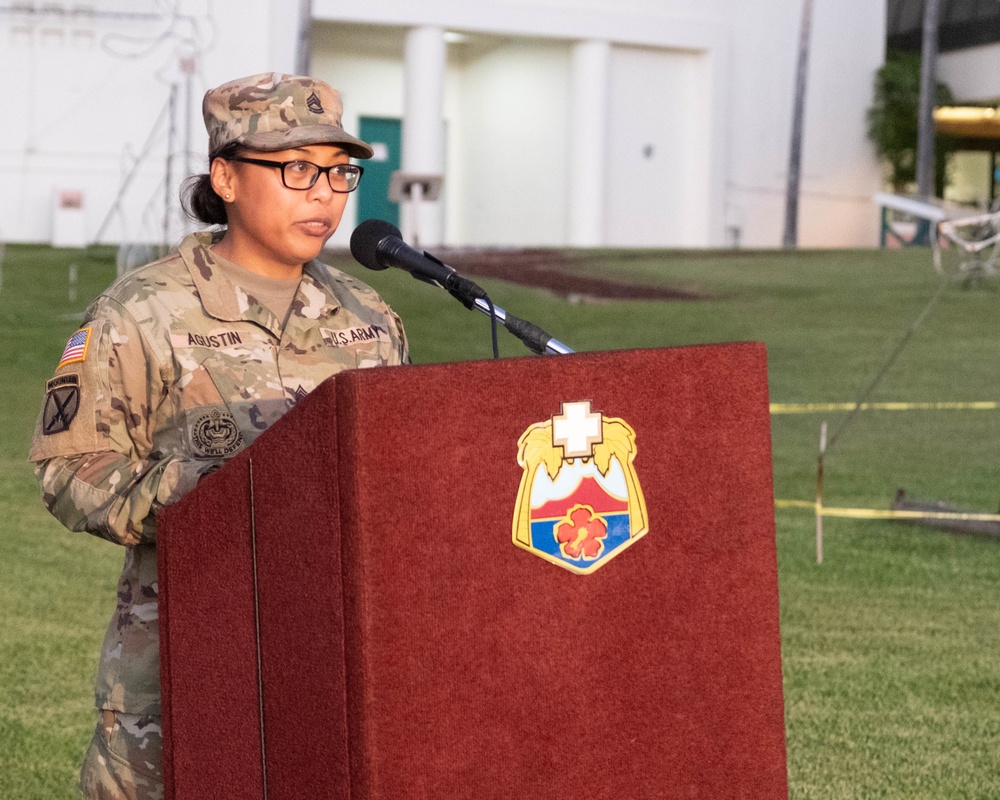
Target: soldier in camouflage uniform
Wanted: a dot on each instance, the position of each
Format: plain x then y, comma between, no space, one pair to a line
184,362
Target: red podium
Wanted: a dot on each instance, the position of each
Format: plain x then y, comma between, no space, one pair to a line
371,601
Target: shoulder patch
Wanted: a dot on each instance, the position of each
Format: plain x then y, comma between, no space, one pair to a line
76,348
62,401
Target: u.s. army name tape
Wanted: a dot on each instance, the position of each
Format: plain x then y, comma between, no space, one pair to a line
876,513
814,408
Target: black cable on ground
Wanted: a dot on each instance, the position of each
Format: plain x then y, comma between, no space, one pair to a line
887,365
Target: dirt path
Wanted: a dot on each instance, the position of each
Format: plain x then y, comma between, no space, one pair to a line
551,270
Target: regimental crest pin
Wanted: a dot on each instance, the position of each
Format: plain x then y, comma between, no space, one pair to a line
579,503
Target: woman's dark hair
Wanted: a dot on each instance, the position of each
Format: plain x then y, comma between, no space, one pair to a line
199,199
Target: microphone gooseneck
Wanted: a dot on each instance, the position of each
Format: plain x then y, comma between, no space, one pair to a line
378,245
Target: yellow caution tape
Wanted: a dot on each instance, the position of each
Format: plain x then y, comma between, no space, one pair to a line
875,513
814,408
794,504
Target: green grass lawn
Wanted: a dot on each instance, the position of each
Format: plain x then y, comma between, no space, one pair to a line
891,649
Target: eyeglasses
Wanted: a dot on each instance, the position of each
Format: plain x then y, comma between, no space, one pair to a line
302,175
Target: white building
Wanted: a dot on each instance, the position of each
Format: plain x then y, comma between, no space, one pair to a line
553,122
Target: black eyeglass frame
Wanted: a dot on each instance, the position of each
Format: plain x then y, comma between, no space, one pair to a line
319,171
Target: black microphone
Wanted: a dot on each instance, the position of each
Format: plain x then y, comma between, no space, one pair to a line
377,244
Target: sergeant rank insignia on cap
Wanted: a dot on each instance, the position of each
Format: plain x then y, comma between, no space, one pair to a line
579,503
314,104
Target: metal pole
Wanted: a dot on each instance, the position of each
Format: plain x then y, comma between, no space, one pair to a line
819,494
169,179
416,194
928,85
303,54
993,177
791,235
133,171
188,67
925,115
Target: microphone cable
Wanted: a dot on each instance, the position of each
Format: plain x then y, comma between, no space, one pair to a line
493,327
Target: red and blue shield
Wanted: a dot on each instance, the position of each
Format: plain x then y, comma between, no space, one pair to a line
579,503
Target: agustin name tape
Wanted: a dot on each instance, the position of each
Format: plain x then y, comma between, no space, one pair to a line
814,408
875,513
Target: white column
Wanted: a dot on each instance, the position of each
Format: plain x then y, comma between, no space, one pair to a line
282,38
588,146
423,126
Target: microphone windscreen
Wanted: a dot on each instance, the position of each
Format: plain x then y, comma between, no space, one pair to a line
365,240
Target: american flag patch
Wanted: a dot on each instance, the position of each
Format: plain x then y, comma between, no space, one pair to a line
76,348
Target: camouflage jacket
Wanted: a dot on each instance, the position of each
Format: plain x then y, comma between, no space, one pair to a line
175,370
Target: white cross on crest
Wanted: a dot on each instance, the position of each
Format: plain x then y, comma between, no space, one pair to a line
577,429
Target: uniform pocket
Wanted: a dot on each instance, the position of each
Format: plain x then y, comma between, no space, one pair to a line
204,406
370,355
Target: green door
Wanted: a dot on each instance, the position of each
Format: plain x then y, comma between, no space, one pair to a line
385,137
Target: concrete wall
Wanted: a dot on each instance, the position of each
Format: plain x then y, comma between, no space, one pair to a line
839,172
513,102
505,117
973,74
698,119
92,96
516,66
711,84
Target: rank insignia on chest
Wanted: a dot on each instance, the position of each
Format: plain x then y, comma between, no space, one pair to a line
579,503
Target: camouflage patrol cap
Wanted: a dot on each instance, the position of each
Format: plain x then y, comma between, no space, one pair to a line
272,111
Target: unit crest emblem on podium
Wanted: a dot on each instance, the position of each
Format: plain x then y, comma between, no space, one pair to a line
579,503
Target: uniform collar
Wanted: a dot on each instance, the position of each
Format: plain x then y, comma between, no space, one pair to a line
226,301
